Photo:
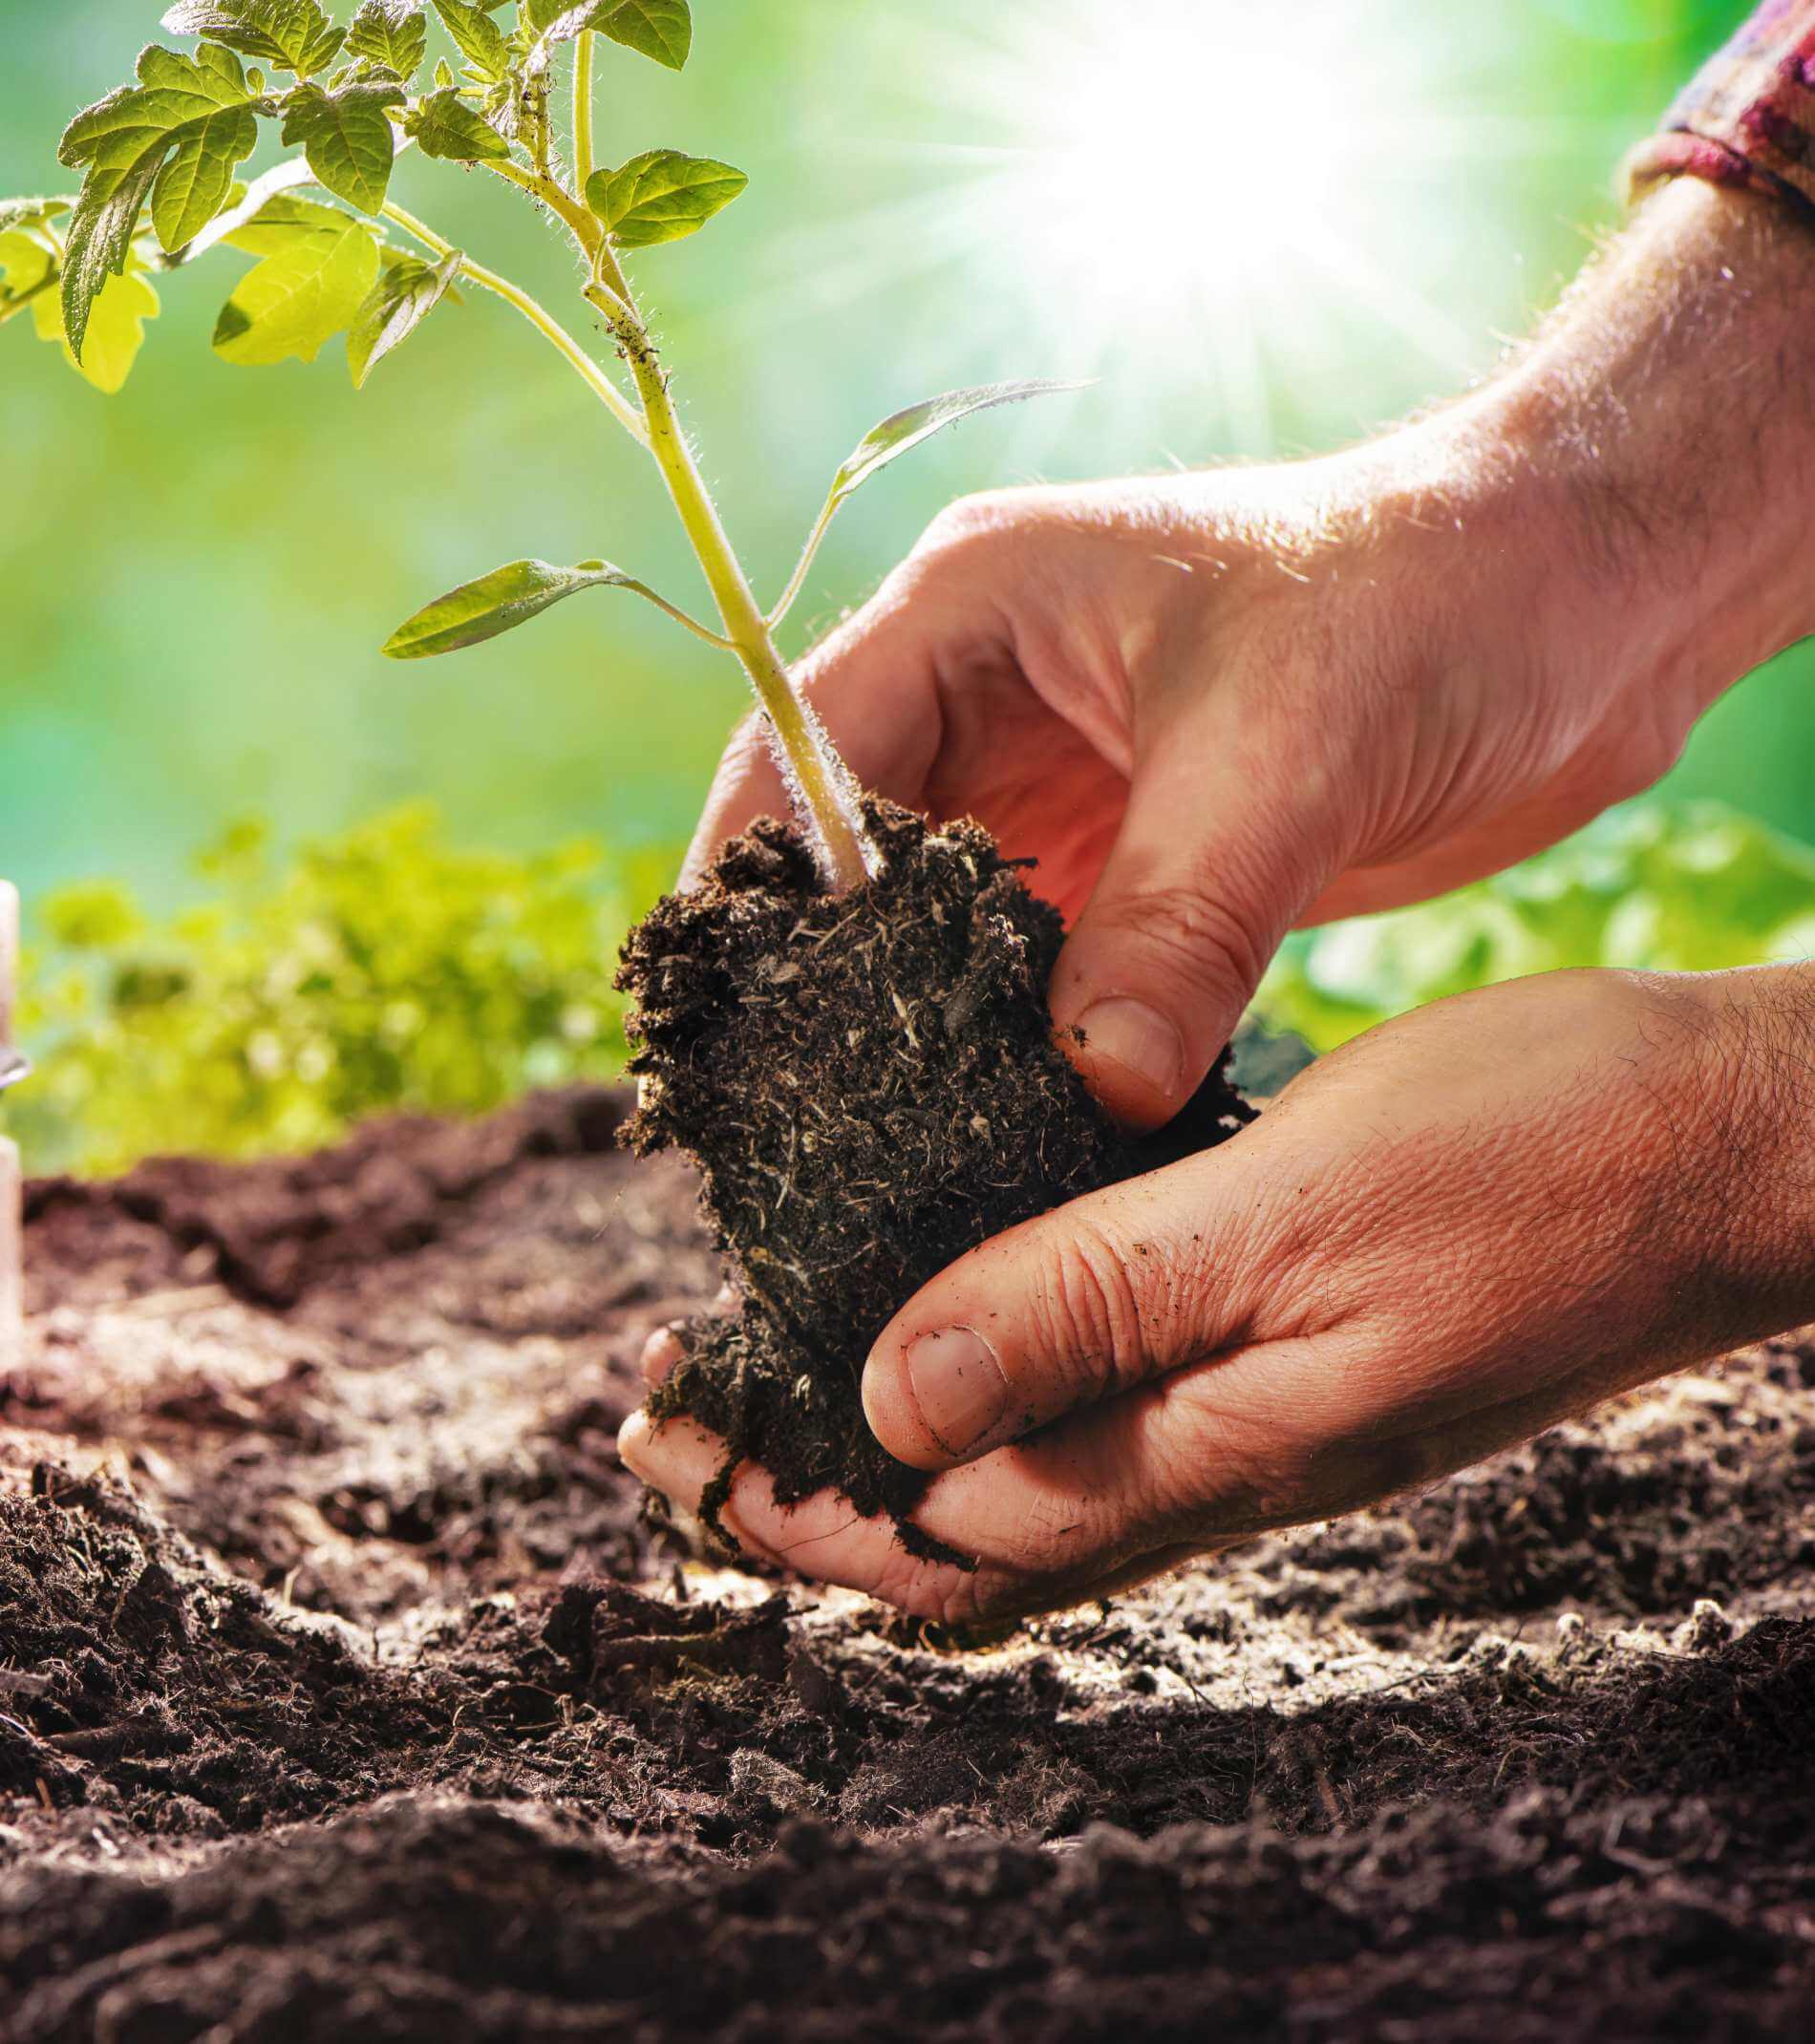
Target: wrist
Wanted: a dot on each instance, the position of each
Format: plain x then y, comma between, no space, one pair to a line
1743,1142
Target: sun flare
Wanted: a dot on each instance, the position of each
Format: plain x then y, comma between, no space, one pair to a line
1195,195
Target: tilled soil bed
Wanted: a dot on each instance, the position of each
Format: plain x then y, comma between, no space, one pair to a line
346,1694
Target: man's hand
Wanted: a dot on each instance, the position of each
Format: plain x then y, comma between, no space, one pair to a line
1468,1225
1213,705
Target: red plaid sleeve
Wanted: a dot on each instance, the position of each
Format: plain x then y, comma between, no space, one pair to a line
1748,116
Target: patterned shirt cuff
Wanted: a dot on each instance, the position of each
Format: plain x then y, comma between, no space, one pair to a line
1748,116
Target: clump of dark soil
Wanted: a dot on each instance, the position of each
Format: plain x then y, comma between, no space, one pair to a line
345,1694
870,1085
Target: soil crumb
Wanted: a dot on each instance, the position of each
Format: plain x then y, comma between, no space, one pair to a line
345,1693
870,1086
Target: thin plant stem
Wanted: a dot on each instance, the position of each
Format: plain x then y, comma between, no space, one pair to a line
823,783
10,306
586,227
820,776
596,379
583,110
808,554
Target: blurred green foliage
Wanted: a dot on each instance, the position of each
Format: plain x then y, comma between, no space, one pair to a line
385,970
382,969
1694,887
200,572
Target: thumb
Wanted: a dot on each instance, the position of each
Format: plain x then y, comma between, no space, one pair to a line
1077,1306
1207,875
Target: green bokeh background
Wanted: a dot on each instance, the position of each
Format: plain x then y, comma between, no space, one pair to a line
198,574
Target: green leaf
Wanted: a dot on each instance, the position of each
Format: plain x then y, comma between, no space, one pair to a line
26,213
347,138
391,32
28,267
294,34
307,289
904,430
662,195
444,125
116,329
481,41
283,220
175,137
658,29
403,297
498,602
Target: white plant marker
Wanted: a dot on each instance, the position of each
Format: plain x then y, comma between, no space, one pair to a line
11,1067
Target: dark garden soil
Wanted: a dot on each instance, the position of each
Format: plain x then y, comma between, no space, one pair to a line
869,1085
345,1694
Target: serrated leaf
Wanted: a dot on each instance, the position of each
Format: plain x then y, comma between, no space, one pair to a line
391,32
116,329
24,213
347,137
444,125
907,429
403,297
294,34
498,602
175,138
662,195
481,40
308,289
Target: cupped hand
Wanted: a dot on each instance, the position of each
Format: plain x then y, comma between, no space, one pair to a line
1215,706
1464,1227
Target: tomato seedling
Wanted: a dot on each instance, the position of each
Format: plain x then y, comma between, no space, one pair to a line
160,158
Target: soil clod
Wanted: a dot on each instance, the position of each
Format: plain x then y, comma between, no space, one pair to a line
870,1085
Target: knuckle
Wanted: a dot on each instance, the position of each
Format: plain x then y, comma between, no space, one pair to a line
1194,940
1087,1316
966,524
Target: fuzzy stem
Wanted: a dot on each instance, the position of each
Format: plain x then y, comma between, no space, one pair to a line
583,110
600,384
821,777
816,769
586,227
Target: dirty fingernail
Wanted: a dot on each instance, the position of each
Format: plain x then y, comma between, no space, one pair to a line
1138,1038
958,1387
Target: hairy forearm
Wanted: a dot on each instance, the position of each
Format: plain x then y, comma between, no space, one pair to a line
1666,412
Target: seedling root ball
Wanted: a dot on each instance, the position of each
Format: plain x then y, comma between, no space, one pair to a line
870,1084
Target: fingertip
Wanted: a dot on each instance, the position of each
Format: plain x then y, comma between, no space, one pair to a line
661,1352
1142,1092
635,1445
936,1391
894,1418
676,1456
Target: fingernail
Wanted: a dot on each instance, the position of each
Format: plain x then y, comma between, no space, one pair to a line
957,1386
1138,1038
